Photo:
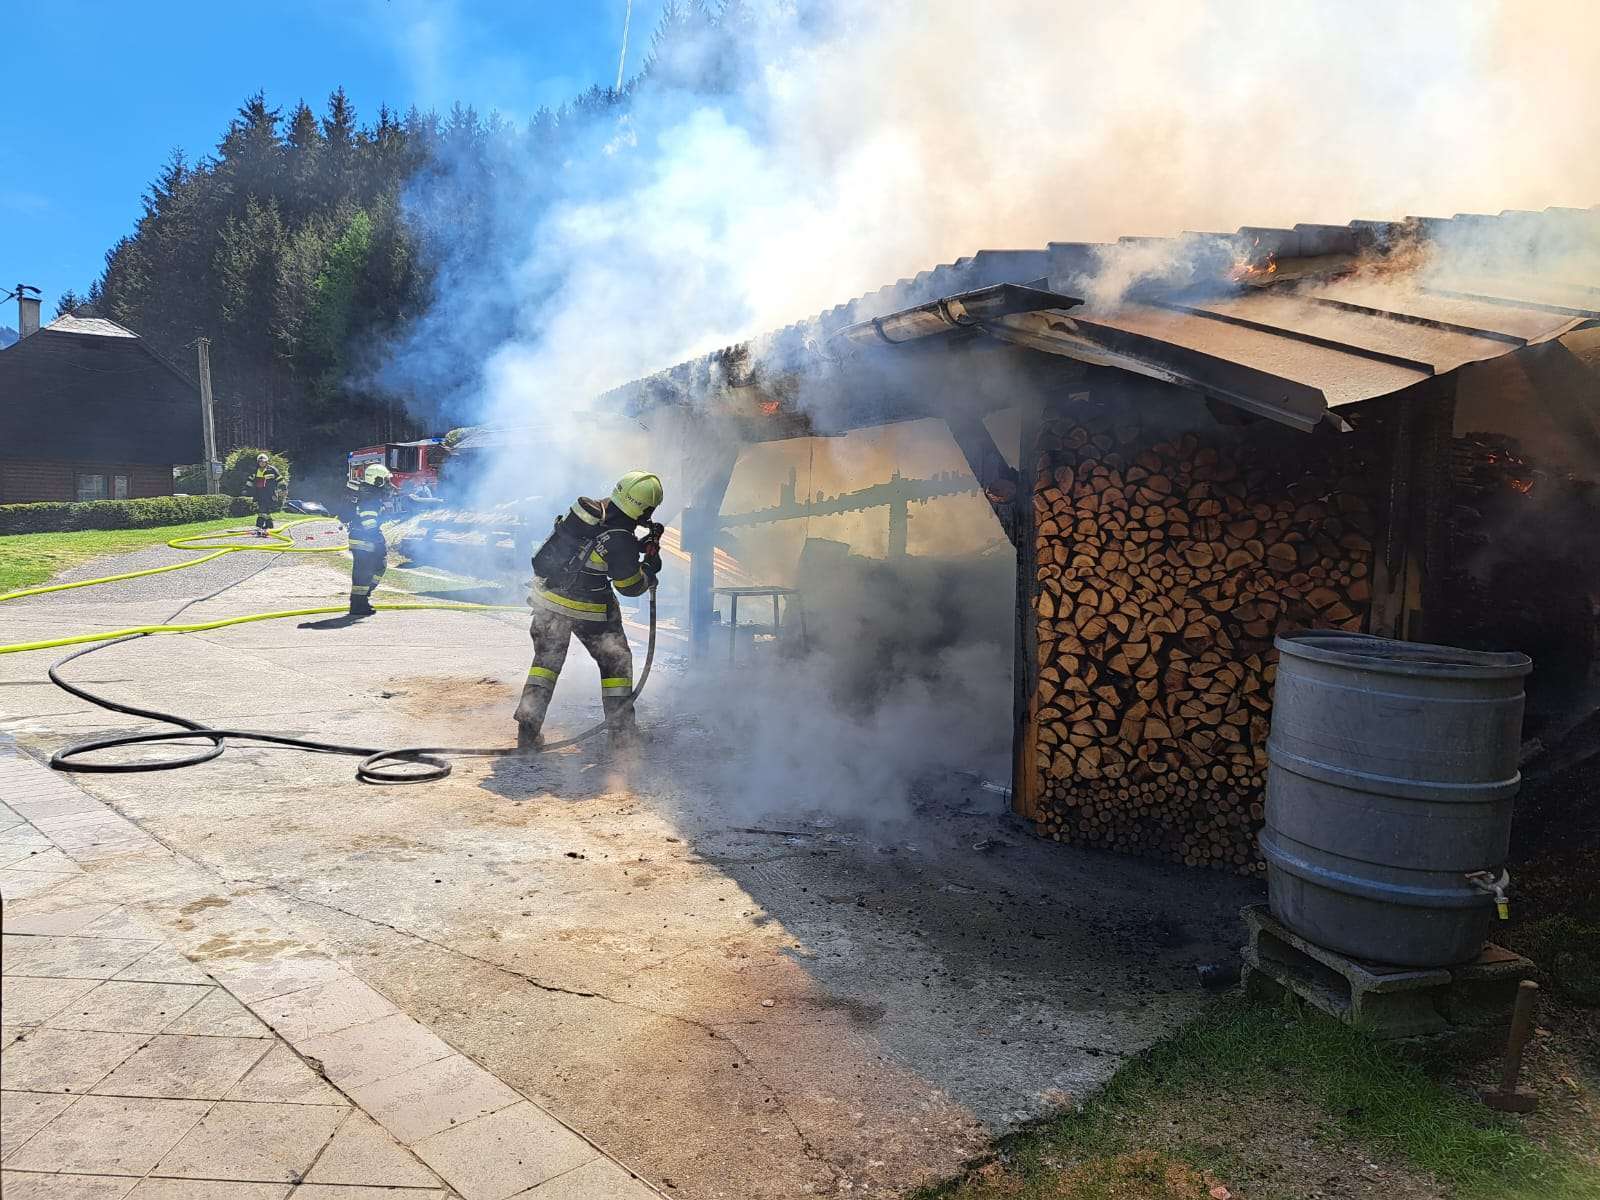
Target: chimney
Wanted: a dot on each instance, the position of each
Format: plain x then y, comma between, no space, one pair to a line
27,310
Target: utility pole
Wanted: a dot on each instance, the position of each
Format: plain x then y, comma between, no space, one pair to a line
208,423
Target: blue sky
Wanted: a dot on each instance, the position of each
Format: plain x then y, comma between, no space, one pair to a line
102,90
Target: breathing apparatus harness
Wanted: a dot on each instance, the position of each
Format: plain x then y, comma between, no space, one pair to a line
565,554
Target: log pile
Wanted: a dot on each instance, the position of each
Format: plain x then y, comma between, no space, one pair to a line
1164,568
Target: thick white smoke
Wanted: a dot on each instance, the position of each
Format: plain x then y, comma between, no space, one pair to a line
873,141
864,143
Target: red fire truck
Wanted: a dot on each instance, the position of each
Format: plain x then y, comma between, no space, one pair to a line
411,464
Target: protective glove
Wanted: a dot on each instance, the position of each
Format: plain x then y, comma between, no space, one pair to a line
652,563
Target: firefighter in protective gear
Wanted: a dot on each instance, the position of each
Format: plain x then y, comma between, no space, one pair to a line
369,551
264,490
595,546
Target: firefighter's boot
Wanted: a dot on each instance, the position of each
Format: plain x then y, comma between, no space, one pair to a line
621,723
361,603
535,702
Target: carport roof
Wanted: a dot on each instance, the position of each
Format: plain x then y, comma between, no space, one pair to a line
1289,323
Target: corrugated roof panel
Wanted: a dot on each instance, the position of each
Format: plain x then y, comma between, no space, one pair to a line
1363,333
1341,377
1510,321
1521,291
1295,332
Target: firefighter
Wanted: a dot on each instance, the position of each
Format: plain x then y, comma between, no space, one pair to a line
595,546
264,487
370,552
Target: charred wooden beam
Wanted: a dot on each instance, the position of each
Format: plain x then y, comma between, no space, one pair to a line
995,476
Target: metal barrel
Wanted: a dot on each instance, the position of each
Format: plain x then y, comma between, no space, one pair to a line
1391,775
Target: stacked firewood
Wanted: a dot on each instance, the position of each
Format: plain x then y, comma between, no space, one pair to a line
1164,568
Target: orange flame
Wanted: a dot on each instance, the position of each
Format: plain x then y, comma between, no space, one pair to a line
1250,266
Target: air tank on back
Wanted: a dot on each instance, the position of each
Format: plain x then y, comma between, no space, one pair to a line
1392,771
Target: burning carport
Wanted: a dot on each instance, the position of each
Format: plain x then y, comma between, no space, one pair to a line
1222,436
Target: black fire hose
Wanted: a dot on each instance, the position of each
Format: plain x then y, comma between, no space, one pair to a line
425,763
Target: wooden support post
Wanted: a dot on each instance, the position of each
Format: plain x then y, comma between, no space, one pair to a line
1411,557
701,525
1391,553
1024,770
1435,483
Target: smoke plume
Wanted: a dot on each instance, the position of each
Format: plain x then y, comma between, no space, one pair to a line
846,146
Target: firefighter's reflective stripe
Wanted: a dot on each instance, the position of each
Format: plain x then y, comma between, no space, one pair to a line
542,676
636,577
581,610
360,589
583,514
596,559
359,544
616,687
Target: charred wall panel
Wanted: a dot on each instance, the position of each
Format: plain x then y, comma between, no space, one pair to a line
1520,567
1170,549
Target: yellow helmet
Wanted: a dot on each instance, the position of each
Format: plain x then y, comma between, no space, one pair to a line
637,493
376,474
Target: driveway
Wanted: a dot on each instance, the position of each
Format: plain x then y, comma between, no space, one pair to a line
734,991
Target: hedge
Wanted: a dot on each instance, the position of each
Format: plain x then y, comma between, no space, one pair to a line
58,517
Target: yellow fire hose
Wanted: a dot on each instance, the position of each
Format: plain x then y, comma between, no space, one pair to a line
285,545
368,771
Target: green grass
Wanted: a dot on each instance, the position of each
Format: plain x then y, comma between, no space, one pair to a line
1369,1092
27,559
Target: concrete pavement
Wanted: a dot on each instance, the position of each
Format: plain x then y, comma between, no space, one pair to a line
732,1007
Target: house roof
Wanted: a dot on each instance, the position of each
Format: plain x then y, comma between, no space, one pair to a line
1289,323
88,389
96,326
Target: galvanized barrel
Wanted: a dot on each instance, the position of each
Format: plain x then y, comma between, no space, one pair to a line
1392,770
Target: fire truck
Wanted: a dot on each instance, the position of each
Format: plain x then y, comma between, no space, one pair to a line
411,464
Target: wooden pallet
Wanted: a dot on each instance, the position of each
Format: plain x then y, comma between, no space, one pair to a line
1392,1002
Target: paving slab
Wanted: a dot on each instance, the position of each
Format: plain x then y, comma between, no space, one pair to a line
63,1060
184,1068
208,1189
283,1076
373,1050
434,1097
597,1180
263,1142
48,956
34,1001
31,1185
365,1153
344,1191
220,1015
507,1152
23,1114
110,1135
129,1007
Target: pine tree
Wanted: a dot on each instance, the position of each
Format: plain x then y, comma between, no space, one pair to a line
304,246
